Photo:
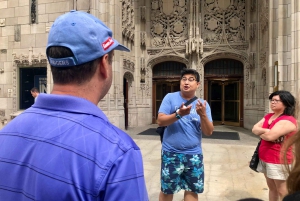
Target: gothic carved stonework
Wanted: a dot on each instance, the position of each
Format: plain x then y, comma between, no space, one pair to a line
264,76
33,11
2,22
129,77
143,13
252,31
243,46
247,81
143,70
146,86
263,59
168,23
264,14
128,65
30,59
143,38
264,44
194,43
153,61
253,5
142,62
128,19
252,59
224,21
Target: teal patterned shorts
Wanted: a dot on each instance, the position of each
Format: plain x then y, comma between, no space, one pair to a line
181,172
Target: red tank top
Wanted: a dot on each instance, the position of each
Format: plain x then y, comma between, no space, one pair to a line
271,152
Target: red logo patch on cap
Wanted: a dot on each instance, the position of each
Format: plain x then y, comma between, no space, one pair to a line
106,44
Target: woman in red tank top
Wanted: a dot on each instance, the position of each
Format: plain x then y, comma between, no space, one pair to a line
274,129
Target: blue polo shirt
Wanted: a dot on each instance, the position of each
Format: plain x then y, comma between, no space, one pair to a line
64,148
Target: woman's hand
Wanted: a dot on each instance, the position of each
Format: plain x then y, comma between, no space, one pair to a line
258,129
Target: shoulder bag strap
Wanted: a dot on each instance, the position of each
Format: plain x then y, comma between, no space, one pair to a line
190,101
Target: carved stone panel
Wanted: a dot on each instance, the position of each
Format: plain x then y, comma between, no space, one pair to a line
128,24
264,14
253,4
143,13
143,38
2,22
168,23
252,31
252,59
224,20
17,33
128,65
33,12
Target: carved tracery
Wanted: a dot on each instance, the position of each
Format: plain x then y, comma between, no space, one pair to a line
168,23
128,65
252,31
33,11
264,34
129,77
252,59
128,25
264,14
224,20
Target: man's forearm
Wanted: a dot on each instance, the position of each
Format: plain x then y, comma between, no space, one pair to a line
167,120
207,126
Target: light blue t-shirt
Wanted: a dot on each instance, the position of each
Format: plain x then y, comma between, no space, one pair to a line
184,135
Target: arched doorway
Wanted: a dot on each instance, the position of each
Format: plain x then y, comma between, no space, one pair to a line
166,76
127,82
223,89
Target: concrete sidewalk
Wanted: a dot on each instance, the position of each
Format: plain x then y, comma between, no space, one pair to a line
227,175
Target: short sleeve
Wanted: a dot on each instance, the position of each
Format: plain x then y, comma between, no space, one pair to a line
126,179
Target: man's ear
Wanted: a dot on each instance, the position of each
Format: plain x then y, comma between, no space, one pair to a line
104,66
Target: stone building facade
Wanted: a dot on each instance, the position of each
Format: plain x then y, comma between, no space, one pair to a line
243,50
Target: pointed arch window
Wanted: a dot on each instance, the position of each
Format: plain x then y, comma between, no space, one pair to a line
168,69
221,67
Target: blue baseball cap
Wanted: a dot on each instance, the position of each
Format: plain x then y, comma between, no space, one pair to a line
85,35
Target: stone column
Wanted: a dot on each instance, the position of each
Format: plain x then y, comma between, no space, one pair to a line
272,45
283,50
295,43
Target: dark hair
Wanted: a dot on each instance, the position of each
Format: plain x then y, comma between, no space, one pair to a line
34,89
75,74
186,71
250,199
287,99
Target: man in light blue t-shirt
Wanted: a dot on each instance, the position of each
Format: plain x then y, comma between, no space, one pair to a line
182,159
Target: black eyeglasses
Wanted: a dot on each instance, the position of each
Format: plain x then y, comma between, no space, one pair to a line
190,79
274,100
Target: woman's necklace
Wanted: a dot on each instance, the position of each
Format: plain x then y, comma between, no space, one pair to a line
273,118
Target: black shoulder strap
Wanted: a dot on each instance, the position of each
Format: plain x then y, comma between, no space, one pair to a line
190,101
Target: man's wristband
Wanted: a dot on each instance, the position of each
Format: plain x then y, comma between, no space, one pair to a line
177,115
